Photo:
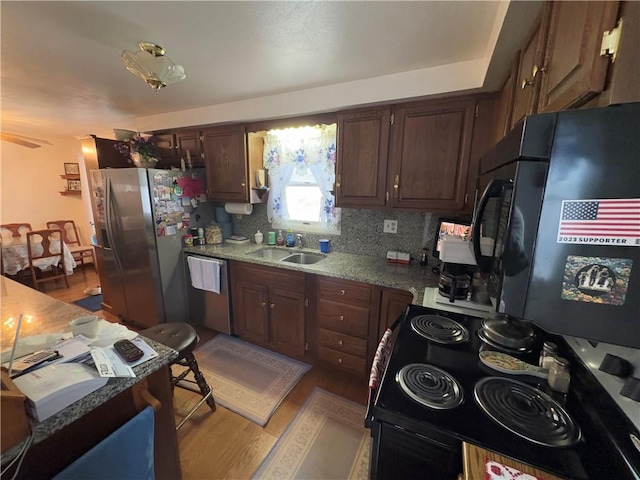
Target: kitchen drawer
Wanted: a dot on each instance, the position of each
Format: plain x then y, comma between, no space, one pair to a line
343,360
343,291
270,276
343,343
343,318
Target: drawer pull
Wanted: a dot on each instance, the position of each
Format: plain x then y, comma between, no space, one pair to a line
264,304
273,305
339,360
341,318
341,292
340,342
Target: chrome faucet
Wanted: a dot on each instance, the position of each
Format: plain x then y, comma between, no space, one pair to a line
299,240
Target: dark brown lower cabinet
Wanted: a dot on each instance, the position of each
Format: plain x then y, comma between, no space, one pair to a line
393,304
269,307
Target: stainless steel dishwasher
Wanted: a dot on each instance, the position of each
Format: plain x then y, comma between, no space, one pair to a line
207,308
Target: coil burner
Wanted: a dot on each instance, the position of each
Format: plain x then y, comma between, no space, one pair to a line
430,386
526,411
439,329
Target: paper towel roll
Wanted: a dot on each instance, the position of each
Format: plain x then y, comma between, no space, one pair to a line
239,208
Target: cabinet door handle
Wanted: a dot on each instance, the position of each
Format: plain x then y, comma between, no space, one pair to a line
396,186
273,305
341,318
339,181
264,304
534,73
526,83
342,292
536,70
340,360
242,184
340,342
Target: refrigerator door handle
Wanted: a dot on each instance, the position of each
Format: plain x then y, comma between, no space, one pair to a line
108,217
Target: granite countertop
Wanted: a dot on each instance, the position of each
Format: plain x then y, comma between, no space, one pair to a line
358,268
48,315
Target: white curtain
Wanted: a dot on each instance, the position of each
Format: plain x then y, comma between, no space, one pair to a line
296,150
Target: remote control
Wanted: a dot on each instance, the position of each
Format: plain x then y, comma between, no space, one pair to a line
127,350
22,365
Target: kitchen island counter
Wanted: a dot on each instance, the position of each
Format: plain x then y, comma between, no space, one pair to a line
357,268
43,314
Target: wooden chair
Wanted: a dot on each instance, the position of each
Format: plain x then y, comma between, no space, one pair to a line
13,231
72,239
46,239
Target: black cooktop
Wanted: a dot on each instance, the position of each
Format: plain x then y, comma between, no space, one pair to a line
589,457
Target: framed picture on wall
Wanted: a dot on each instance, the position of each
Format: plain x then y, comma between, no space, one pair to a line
73,185
72,169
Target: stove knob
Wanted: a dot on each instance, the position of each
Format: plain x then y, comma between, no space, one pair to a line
631,389
615,366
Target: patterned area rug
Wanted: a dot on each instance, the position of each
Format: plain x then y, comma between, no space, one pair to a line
327,440
246,379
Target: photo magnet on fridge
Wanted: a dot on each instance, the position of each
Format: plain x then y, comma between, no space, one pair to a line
596,279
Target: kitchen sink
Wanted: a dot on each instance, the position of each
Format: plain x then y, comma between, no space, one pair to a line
271,253
303,258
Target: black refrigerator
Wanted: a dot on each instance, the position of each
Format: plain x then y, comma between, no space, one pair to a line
561,208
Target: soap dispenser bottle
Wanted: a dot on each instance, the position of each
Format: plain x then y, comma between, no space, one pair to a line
280,238
259,237
291,241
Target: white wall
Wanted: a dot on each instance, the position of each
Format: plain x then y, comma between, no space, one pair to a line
30,184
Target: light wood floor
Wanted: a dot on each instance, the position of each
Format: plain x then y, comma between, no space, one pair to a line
222,444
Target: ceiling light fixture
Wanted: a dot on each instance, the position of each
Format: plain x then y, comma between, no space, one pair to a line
152,66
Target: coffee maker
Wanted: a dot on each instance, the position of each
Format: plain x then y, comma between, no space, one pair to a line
459,277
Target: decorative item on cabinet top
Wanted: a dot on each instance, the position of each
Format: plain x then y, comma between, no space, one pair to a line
140,149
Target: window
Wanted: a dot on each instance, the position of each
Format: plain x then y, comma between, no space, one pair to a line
301,164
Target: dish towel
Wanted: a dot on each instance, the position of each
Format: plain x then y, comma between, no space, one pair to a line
126,453
205,274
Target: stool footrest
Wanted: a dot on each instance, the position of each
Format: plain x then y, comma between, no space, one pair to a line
206,398
183,338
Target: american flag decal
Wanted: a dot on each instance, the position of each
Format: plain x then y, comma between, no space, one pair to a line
600,222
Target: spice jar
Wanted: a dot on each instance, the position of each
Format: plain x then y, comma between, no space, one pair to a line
188,240
547,355
559,377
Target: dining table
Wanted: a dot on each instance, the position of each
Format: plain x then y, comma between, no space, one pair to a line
15,257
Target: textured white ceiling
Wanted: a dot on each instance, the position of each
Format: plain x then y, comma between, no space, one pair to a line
61,72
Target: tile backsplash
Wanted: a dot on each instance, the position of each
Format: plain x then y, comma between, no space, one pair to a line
361,231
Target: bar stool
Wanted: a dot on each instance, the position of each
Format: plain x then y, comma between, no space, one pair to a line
183,338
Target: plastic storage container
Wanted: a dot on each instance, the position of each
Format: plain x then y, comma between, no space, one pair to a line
213,234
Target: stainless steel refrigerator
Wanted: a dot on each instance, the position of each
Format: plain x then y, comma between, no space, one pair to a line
140,217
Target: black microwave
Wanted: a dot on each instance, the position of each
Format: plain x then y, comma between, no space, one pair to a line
556,232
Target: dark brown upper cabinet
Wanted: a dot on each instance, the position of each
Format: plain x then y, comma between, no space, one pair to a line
429,155
574,71
529,76
408,156
503,106
225,153
361,169
166,149
189,144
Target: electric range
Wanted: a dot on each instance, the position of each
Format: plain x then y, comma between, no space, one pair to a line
516,416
